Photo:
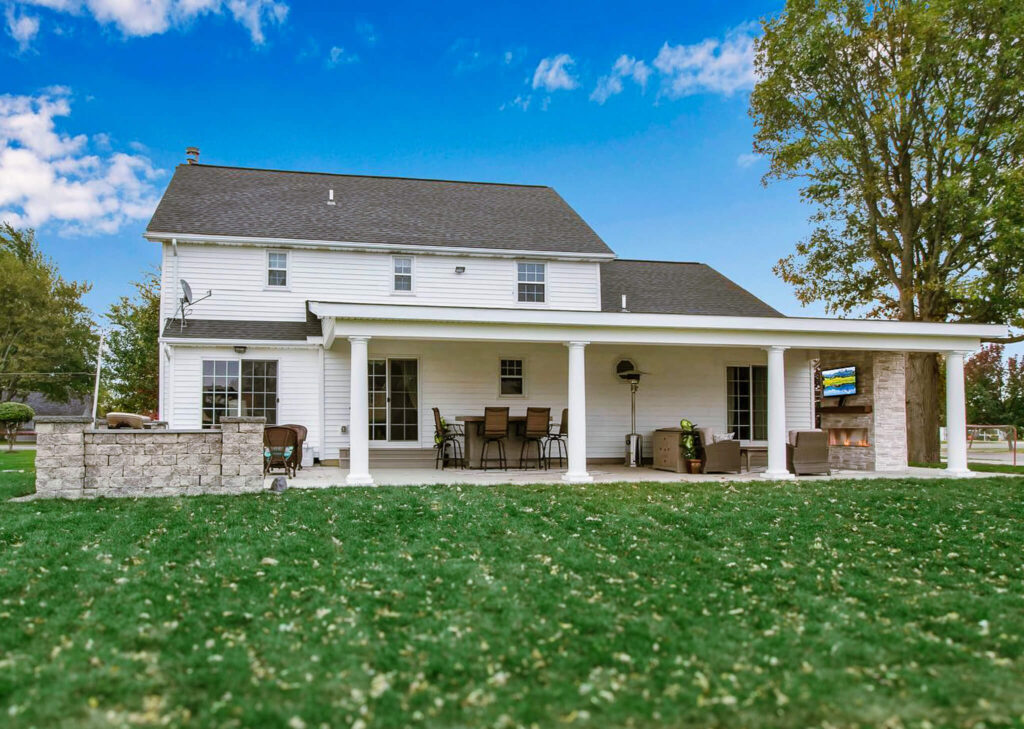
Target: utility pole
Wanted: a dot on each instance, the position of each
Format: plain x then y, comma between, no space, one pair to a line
99,368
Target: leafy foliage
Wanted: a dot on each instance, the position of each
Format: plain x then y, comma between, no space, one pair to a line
132,367
865,603
995,388
44,326
13,414
905,122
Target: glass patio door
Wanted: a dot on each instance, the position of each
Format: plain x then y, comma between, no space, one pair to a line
393,399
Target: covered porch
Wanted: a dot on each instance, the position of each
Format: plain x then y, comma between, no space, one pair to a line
569,359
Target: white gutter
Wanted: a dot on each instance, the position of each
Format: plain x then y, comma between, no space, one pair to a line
628,320
310,342
439,250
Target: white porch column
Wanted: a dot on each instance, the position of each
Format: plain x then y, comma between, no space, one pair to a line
956,416
777,414
577,471
358,417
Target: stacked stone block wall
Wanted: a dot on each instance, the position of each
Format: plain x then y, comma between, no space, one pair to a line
75,460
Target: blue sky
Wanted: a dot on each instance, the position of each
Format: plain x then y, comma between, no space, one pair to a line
638,119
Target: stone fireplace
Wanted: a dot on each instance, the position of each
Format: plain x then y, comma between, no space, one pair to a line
868,431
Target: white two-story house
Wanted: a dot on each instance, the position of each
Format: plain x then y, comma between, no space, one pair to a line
353,305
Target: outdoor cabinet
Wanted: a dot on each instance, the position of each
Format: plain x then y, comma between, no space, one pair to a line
668,453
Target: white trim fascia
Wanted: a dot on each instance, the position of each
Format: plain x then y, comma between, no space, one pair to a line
310,343
626,320
225,240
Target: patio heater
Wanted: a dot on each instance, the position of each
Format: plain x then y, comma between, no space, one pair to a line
627,371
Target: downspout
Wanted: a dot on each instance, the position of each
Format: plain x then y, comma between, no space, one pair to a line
323,407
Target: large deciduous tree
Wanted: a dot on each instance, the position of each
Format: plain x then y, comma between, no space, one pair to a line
133,364
46,340
905,122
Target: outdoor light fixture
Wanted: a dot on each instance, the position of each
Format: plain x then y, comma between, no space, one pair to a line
460,269
240,349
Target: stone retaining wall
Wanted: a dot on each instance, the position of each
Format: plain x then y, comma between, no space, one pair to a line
75,460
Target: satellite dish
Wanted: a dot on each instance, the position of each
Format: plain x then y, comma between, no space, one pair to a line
187,300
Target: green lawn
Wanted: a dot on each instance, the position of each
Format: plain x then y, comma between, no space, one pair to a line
979,467
859,603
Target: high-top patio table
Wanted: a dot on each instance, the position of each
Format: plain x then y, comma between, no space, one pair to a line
474,438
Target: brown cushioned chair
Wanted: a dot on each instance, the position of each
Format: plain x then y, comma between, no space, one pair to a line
301,431
808,453
720,457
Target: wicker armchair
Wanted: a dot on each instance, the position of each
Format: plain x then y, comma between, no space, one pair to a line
808,453
301,431
721,457
280,449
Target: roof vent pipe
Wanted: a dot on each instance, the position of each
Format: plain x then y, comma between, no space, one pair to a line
192,155
330,196
624,303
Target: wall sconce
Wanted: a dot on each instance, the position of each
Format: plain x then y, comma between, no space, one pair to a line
240,349
460,269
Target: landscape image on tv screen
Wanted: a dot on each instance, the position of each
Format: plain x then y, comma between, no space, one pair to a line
839,382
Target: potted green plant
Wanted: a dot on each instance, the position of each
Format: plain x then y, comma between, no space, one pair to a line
688,445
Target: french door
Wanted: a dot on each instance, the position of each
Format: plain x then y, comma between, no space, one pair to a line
393,399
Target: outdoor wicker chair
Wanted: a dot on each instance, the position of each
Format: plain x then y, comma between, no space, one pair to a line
538,424
301,431
280,449
721,457
559,440
447,435
808,453
495,431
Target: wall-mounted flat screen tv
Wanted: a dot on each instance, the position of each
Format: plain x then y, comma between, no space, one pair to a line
839,382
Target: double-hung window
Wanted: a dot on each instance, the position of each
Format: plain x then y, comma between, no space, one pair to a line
530,282
747,398
277,268
403,274
511,378
238,387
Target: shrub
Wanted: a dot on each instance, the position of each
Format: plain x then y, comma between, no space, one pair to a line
13,414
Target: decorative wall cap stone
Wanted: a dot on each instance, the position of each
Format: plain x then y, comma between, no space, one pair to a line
145,431
243,419
63,419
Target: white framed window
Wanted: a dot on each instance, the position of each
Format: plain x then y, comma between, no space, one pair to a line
402,268
511,377
239,387
531,279
747,401
277,269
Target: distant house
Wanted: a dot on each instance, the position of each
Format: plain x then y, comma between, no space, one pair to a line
42,405
355,304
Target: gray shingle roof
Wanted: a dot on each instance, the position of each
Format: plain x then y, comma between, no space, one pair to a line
236,329
234,201
665,287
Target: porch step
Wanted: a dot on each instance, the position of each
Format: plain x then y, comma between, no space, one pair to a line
393,458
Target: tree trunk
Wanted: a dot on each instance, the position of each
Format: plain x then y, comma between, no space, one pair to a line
923,407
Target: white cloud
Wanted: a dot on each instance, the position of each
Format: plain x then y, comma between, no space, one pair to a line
520,102
49,176
748,159
151,17
21,27
553,73
625,67
367,32
339,57
722,66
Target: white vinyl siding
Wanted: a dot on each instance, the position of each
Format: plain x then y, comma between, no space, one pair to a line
237,276
459,378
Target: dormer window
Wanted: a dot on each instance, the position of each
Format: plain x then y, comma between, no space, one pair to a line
277,268
403,274
531,282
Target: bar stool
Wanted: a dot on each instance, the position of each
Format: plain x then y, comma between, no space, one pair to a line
495,431
559,439
538,423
